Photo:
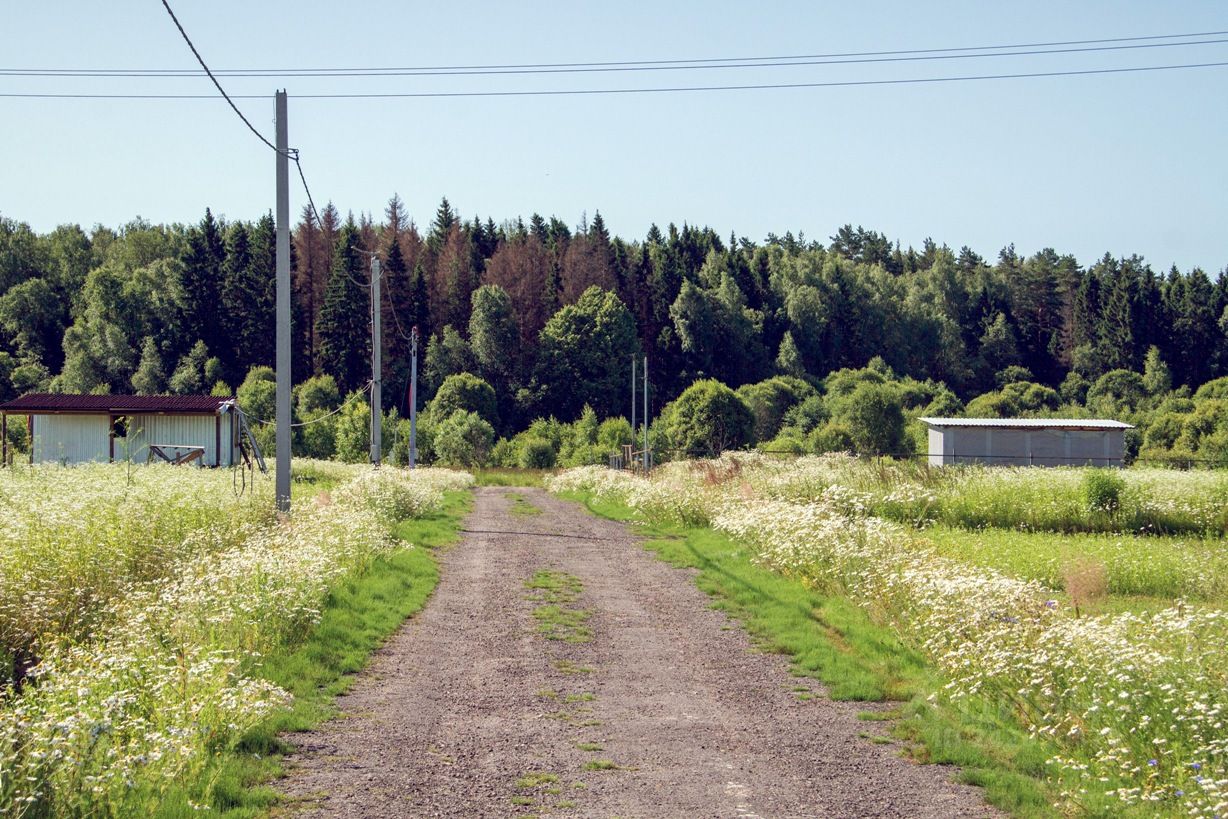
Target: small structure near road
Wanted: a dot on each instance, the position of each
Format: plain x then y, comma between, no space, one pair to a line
1026,441
70,429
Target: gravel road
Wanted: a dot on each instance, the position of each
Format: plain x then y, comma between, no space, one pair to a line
665,711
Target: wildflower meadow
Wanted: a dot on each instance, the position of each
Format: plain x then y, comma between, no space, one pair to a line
1131,699
135,609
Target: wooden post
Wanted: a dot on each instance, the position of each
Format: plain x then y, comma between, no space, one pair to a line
111,439
4,439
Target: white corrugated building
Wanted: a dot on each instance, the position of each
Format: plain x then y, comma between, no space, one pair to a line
70,429
1026,441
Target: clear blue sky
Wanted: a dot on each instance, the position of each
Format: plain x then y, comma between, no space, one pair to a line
1128,163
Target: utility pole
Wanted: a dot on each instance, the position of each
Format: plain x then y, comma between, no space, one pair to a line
284,376
633,398
645,415
413,397
377,341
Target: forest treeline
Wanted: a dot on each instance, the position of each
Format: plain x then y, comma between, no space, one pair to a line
189,308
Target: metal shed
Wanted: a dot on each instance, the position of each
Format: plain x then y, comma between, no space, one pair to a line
1026,441
71,429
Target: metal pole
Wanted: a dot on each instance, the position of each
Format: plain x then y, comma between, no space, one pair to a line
645,415
284,376
377,341
413,397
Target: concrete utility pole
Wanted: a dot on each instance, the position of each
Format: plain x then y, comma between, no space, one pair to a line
632,399
377,341
413,397
284,376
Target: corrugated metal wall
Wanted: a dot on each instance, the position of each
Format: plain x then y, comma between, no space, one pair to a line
169,430
71,439
1027,447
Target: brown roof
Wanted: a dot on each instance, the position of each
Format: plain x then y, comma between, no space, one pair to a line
36,402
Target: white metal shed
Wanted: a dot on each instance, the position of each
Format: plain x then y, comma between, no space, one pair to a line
71,429
1026,441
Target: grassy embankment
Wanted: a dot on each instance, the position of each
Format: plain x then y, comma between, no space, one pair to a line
360,613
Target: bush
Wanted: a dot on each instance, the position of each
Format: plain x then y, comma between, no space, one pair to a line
769,401
464,391
505,454
614,433
1102,490
875,420
536,453
831,437
1117,389
464,439
708,418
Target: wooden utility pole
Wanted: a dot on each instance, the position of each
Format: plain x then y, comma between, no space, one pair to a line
284,376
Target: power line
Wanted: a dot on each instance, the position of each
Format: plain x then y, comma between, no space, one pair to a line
779,63
624,91
298,164
509,67
292,153
218,85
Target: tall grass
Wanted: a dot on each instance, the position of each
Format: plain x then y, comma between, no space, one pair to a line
159,673
1149,501
1134,704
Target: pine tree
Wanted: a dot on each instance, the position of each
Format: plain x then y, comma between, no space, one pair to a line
343,326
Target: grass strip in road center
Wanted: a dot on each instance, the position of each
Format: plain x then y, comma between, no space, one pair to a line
556,618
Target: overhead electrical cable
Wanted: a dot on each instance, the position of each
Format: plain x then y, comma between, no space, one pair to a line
1147,41
395,72
291,153
623,91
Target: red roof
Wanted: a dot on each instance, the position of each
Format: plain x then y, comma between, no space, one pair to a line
36,402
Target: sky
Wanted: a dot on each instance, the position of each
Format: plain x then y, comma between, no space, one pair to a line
1119,163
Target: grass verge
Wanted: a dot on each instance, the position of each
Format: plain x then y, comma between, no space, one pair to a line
832,639
360,613
507,476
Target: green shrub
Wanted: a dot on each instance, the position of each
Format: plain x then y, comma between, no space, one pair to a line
833,436
875,420
505,453
536,453
464,439
1102,490
464,391
708,418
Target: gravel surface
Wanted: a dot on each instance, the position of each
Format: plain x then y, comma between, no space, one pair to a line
667,711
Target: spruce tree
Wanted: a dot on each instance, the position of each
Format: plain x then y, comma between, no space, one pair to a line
343,326
202,282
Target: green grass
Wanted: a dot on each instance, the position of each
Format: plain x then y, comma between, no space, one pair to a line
1142,571
359,614
556,618
832,639
520,506
507,476
601,765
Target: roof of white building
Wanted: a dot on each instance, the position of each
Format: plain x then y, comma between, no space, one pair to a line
1030,423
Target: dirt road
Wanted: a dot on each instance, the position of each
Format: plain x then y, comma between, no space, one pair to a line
648,705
